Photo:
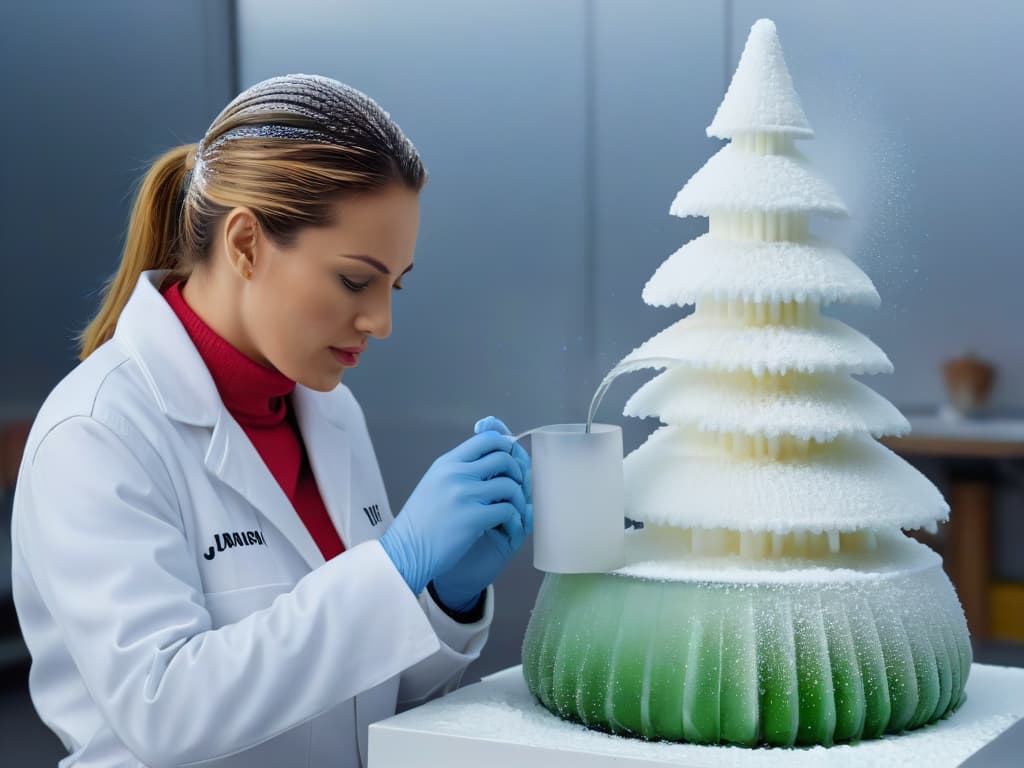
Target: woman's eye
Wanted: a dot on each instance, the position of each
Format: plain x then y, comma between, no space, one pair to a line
352,285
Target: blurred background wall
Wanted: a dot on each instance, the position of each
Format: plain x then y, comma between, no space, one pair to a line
556,135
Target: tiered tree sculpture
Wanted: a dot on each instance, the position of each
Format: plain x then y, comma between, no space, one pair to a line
771,597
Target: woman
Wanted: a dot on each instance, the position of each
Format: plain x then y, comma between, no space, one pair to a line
206,567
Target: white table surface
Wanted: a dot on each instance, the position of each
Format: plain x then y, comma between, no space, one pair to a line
497,723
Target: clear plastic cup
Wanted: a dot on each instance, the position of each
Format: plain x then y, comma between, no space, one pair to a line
578,498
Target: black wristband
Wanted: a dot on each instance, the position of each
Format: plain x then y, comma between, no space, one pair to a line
474,614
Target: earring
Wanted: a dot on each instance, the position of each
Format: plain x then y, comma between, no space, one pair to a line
248,273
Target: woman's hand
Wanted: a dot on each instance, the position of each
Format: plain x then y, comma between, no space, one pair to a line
460,587
476,487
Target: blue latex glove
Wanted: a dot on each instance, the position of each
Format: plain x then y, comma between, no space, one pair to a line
460,587
471,489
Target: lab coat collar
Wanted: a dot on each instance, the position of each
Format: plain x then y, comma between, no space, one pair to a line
151,333
173,368
185,391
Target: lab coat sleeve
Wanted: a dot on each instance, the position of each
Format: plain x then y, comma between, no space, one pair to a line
109,557
460,645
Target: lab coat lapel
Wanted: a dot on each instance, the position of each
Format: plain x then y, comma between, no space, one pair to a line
232,457
329,448
184,390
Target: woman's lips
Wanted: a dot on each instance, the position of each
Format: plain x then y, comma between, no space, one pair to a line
347,357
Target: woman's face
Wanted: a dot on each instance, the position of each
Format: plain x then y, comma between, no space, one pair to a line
331,289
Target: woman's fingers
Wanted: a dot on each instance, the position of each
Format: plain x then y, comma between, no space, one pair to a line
502,488
480,445
505,469
512,531
508,517
493,423
518,452
496,464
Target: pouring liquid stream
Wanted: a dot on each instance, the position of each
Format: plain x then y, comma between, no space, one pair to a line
623,367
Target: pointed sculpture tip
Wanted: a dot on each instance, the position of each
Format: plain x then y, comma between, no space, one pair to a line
764,35
760,97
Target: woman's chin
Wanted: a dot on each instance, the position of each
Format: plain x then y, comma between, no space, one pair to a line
322,381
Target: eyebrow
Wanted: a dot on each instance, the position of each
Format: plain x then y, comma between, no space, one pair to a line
372,262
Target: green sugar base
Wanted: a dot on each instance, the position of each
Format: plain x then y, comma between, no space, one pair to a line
816,662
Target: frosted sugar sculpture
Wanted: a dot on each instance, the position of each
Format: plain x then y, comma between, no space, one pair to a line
771,597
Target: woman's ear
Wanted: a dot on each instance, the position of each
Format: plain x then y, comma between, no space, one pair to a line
241,233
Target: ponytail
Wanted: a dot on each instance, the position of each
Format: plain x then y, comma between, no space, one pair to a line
152,241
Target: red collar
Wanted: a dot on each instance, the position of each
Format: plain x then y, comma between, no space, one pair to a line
253,393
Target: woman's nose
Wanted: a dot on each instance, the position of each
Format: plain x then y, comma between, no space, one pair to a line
376,321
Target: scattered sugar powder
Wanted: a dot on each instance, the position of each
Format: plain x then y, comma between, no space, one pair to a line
501,709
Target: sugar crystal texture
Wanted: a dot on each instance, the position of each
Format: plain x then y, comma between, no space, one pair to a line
684,478
772,597
736,179
780,663
809,407
501,711
758,272
758,369
761,97
715,339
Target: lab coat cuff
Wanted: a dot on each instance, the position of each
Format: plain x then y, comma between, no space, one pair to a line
460,644
390,582
463,638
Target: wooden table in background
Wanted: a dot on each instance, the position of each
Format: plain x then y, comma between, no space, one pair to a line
969,549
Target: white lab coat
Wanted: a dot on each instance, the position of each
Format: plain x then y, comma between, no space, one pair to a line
156,643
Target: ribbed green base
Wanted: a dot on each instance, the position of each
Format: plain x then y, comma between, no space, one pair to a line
747,664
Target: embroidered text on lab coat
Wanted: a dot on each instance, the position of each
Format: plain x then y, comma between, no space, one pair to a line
228,540
372,513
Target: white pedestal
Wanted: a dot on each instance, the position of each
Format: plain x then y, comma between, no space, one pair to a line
496,723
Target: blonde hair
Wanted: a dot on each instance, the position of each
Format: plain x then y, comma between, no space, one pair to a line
286,148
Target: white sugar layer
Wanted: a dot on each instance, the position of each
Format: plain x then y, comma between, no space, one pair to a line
824,344
735,179
755,271
820,407
681,478
650,555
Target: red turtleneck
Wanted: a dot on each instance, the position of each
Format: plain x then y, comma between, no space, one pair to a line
258,399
